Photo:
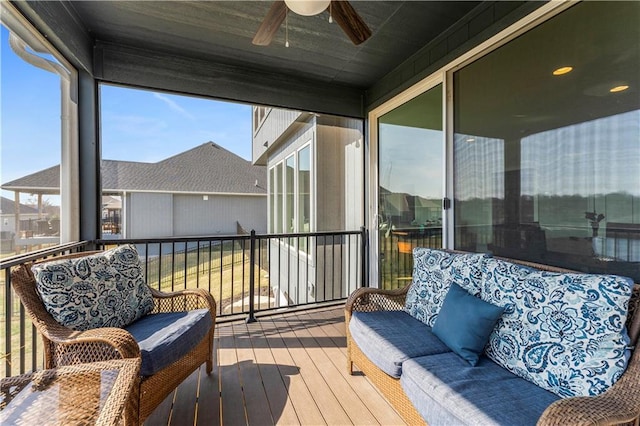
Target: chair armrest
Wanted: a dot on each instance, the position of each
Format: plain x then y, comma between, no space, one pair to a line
68,347
374,299
619,404
183,300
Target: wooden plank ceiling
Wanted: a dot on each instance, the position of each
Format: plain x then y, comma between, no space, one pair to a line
221,32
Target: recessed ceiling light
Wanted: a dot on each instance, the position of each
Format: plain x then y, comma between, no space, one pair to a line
562,70
620,88
471,140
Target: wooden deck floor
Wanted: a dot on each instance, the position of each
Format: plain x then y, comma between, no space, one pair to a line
286,369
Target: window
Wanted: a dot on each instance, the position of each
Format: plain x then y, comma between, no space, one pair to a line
290,192
259,116
290,211
39,141
547,143
279,199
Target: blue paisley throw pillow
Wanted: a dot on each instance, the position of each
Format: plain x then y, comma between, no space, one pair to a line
433,273
101,290
564,332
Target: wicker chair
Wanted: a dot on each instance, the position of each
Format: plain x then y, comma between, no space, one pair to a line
618,405
64,346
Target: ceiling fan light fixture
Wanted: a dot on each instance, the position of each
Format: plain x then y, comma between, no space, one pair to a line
620,88
562,70
307,7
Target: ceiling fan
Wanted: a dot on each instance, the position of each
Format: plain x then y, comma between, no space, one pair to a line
341,11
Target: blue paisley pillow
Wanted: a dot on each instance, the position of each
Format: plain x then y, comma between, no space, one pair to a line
101,290
433,272
564,332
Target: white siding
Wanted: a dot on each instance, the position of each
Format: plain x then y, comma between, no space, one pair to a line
149,215
193,215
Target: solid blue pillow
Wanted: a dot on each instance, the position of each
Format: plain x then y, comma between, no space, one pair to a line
465,323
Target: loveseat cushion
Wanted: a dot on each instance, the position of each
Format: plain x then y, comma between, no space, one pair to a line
565,332
446,390
106,289
433,272
388,338
166,337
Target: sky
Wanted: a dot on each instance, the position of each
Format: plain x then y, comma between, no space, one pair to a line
136,125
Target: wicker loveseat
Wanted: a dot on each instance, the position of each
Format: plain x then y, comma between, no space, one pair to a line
427,383
172,340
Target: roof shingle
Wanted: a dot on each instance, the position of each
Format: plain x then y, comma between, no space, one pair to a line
207,168
7,206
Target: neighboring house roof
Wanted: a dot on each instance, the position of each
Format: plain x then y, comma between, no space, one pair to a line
45,181
7,206
111,203
207,168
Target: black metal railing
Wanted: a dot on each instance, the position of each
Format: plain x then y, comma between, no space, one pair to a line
21,347
246,274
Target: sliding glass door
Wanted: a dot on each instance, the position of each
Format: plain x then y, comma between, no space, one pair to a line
410,192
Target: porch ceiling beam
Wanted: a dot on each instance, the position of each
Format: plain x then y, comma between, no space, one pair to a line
59,23
121,64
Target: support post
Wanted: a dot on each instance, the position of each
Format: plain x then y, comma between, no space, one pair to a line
252,277
363,256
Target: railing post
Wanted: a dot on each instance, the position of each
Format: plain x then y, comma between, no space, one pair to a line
364,256
8,319
252,277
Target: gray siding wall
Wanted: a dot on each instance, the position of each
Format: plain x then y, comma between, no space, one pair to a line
339,173
338,204
274,126
149,215
218,215
339,170
324,277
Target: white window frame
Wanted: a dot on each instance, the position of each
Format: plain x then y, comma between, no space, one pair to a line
280,209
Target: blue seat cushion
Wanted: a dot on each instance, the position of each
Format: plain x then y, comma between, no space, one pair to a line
446,390
167,337
388,338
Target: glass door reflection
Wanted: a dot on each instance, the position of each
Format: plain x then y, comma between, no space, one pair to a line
411,174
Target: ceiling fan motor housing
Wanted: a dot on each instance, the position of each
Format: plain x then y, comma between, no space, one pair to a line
307,7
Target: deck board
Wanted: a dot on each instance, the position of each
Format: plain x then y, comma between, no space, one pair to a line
255,392
329,406
300,395
273,378
233,404
287,369
185,399
332,325
208,408
355,409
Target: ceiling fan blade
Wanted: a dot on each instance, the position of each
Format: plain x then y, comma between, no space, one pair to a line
271,23
350,22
